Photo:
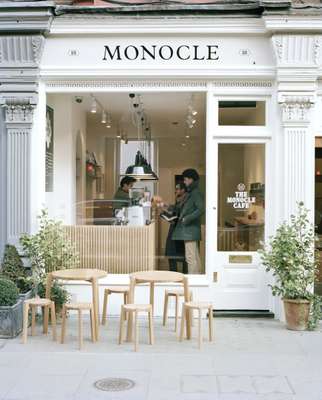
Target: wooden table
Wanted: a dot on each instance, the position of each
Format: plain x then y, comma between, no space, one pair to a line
79,274
153,277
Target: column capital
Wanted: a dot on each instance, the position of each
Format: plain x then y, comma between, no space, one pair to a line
295,108
18,110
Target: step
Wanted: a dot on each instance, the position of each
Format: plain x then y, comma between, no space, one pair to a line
243,313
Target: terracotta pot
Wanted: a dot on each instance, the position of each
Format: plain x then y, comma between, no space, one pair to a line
296,314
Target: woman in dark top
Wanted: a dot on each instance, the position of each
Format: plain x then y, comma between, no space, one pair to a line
174,249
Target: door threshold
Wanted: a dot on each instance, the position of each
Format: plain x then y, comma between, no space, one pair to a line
243,313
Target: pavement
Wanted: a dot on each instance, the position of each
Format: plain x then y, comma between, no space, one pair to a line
249,359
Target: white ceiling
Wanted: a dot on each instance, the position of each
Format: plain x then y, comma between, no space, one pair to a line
162,110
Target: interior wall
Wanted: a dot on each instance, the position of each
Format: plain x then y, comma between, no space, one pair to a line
69,122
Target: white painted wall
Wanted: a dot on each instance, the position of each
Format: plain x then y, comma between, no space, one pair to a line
69,121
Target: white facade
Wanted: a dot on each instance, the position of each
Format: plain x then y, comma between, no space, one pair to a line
272,59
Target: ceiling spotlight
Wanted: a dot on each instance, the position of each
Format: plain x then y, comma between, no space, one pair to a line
191,120
118,136
103,120
108,121
94,106
192,111
183,144
187,136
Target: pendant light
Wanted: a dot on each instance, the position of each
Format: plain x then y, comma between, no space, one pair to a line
141,169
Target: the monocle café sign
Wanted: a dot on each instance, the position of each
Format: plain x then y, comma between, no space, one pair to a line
165,52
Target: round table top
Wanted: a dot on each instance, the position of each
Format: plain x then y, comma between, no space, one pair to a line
79,274
158,276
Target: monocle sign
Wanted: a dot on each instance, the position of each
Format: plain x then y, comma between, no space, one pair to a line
165,52
241,200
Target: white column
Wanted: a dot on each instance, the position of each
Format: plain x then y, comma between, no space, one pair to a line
298,152
18,119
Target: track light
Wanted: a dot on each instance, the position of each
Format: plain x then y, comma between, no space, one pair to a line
94,106
191,110
103,120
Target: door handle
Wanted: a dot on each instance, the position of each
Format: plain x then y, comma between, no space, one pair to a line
214,208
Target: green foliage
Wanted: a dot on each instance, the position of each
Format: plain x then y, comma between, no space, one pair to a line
49,249
9,292
14,270
292,258
58,294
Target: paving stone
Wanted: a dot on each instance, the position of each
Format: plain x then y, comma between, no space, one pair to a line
199,384
271,384
235,384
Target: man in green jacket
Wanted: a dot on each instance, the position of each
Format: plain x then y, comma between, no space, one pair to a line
122,196
188,227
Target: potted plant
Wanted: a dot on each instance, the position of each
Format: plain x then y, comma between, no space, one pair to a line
48,250
292,258
13,269
10,309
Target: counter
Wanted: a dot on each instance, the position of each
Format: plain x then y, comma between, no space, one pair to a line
115,249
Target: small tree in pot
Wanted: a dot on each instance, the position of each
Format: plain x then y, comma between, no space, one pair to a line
292,257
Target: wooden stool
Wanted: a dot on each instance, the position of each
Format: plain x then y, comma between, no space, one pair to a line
136,308
173,293
190,306
34,304
78,307
121,290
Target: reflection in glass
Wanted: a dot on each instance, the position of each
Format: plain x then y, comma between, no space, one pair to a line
241,196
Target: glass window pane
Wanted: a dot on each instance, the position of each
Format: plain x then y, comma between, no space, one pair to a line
245,113
241,196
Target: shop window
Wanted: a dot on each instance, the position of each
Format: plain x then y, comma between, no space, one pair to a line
241,196
318,208
241,113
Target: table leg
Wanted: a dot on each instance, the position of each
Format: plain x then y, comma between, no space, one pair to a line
130,315
186,299
49,282
95,307
152,296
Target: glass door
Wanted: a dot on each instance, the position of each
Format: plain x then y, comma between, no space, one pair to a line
240,224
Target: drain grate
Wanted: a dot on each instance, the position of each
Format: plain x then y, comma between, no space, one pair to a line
114,384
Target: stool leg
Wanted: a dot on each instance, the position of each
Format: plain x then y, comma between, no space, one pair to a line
191,315
121,325
210,324
45,320
136,331
200,328
125,302
53,320
91,313
80,329
151,334
63,325
152,296
25,322
182,322
33,320
176,314
165,308
104,307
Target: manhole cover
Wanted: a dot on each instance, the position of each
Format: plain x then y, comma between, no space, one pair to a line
114,384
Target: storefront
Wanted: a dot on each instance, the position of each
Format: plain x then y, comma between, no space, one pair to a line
251,86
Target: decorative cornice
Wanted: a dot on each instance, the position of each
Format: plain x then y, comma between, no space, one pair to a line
297,50
21,50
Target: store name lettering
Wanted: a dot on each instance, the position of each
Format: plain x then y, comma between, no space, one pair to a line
241,200
165,52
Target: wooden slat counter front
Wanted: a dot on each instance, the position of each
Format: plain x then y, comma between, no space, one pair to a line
115,249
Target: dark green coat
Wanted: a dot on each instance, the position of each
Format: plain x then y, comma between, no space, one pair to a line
122,197
188,226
